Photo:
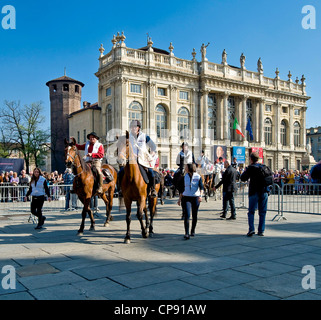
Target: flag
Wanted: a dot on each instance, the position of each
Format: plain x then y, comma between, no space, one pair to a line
237,127
249,129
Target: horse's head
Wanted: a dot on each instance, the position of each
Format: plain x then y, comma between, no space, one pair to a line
71,152
122,145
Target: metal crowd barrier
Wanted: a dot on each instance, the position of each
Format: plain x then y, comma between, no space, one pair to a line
294,198
12,199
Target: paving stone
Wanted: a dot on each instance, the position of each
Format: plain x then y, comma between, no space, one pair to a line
36,270
219,263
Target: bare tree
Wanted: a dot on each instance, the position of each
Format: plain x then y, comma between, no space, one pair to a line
23,126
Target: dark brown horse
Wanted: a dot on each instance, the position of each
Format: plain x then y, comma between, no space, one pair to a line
134,188
84,184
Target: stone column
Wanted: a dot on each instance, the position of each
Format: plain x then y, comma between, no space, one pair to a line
150,121
303,138
225,115
173,138
277,108
219,120
291,129
204,114
238,115
261,122
244,114
123,105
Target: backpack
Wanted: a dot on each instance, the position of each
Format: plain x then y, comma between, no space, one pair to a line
266,175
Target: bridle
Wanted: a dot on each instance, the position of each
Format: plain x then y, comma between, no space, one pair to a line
74,159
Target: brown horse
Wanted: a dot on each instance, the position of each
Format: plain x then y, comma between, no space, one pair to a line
84,184
134,188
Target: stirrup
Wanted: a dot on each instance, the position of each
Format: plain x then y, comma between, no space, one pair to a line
153,194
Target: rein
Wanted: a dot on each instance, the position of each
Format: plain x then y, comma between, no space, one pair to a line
73,163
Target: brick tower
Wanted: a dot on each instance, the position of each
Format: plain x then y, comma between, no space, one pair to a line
65,98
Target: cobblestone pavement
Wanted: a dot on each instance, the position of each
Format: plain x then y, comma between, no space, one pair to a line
219,263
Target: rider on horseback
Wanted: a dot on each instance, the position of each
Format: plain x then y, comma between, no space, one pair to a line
184,157
139,142
94,153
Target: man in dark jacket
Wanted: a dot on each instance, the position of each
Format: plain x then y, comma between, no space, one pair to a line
229,187
258,194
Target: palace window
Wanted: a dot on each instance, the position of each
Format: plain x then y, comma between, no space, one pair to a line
297,133
212,116
283,133
183,123
249,115
268,108
135,88
108,92
183,95
135,112
109,118
161,121
268,131
231,117
161,92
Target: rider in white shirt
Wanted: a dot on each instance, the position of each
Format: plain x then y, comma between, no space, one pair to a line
184,157
140,143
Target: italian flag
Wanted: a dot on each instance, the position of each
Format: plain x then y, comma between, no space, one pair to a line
237,127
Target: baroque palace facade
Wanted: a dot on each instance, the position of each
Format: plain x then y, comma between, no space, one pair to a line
181,100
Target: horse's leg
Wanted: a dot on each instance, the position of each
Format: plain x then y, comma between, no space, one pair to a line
152,210
91,215
146,215
86,202
128,205
92,220
140,209
106,201
82,225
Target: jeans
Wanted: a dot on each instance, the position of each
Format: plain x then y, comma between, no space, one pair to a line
257,200
188,204
228,197
67,199
36,206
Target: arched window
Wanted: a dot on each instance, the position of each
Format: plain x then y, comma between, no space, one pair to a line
109,118
297,133
249,116
135,112
268,131
161,121
231,118
183,123
283,133
212,116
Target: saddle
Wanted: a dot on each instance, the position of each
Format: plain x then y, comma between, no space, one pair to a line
144,173
108,177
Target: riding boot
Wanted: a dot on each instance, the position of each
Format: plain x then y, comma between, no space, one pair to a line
153,192
101,182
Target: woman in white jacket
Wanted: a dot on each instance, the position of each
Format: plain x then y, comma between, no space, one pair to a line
191,193
38,189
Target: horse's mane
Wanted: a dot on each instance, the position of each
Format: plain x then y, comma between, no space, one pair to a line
83,164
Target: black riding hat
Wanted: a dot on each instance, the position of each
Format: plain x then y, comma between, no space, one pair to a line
93,134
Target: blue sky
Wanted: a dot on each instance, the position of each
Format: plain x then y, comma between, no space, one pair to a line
51,35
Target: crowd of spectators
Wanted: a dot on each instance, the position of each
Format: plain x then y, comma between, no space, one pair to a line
295,181
13,188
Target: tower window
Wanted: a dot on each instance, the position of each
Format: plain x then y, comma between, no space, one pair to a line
54,88
77,89
66,87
